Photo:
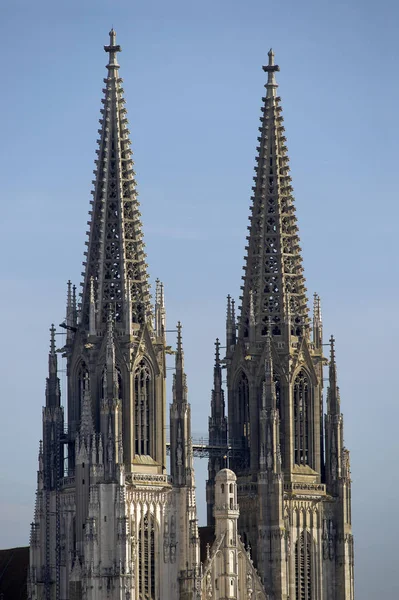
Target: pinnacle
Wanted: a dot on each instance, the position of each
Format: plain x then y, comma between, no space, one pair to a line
217,352
52,339
179,339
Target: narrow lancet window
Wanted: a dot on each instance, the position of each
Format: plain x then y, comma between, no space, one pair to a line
303,567
243,410
83,374
302,417
280,410
143,391
147,566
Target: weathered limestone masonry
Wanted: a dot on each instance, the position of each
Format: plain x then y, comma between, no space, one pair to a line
293,474
110,523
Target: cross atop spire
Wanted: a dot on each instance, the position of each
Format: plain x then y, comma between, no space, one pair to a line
271,69
112,50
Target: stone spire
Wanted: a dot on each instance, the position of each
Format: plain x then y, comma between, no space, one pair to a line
333,391
53,394
217,426
273,270
181,452
115,256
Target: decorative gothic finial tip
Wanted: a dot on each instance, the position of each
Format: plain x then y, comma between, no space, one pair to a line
270,69
217,351
271,57
332,349
52,339
112,49
179,339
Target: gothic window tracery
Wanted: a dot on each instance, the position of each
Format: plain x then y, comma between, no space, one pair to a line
143,394
303,567
147,566
302,418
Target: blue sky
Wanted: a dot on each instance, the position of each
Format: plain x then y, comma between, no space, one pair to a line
193,84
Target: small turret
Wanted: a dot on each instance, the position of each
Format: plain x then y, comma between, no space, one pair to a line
217,427
181,462
53,393
160,324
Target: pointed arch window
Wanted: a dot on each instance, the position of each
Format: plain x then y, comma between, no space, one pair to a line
243,409
143,394
147,566
302,417
83,373
303,567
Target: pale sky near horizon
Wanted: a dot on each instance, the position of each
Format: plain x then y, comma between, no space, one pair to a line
193,85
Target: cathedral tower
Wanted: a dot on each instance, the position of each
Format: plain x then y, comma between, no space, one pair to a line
109,521
293,477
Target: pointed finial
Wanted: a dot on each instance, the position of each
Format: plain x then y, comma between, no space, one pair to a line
157,291
179,339
52,340
112,50
162,296
271,69
316,308
229,307
217,352
74,306
332,350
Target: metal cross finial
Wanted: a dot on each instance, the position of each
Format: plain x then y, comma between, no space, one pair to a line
112,50
270,69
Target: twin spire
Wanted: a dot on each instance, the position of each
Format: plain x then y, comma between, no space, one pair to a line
115,271
274,293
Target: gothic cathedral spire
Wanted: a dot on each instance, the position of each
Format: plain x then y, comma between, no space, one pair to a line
289,468
115,260
273,273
